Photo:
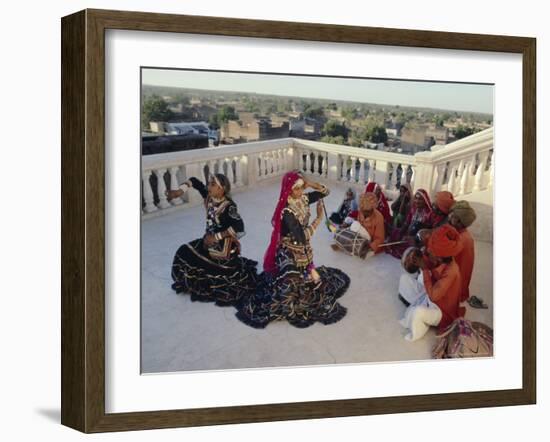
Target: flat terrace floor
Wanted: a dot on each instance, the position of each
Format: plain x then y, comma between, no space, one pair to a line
180,335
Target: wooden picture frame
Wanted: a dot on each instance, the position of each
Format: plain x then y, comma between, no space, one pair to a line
83,220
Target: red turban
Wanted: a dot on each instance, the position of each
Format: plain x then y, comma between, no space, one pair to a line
444,201
445,241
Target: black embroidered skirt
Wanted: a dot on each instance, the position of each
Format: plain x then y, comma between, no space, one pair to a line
208,279
291,295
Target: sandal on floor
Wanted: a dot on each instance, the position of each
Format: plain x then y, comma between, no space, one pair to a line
476,302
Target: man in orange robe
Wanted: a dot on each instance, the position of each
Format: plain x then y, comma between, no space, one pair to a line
440,304
461,217
369,226
371,220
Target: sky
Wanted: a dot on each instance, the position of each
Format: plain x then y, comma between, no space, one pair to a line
451,96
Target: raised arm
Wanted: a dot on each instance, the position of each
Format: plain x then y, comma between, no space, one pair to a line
198,186
319,192
184,187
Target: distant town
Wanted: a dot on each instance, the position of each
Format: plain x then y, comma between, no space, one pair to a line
175,119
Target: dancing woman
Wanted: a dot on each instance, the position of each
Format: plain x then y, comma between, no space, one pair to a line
211,268
292,288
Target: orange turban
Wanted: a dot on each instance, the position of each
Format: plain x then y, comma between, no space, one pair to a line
368,201
444,201
445,241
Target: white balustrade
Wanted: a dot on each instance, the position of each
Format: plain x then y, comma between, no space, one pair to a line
238,171
324,169
361,171
413,176
352,170
392,183
174,184
452,178
244,164
148,192
264,164
481,170
440,170
161,189
308,162
372,171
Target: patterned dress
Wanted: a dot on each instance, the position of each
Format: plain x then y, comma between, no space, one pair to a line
215,273
292,293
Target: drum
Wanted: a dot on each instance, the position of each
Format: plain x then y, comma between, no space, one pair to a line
351,243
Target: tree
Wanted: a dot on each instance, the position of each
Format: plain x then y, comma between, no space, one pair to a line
182,99
155,109
251,106
226,113
333,128
283,106
378,134
463,131
213,122
438,120
334,140
314,112
349,113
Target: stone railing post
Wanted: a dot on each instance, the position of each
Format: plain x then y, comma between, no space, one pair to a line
161,189
478,183
194,170
382,174
148,192
424,173
174,184
253,170
332,166
238,170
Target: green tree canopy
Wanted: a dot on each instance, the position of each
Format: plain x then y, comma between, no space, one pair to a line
333,128
155,109
213,122
314,112
377,134
226,113
349,113
334,140
463,131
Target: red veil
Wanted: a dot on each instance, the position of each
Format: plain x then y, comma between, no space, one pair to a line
429,211
286,188
383,206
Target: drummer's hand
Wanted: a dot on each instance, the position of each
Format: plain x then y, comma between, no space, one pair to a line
209,240
171,194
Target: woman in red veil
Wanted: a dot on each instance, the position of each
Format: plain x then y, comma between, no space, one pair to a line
291,287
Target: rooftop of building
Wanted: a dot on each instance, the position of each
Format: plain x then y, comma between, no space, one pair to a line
179,335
